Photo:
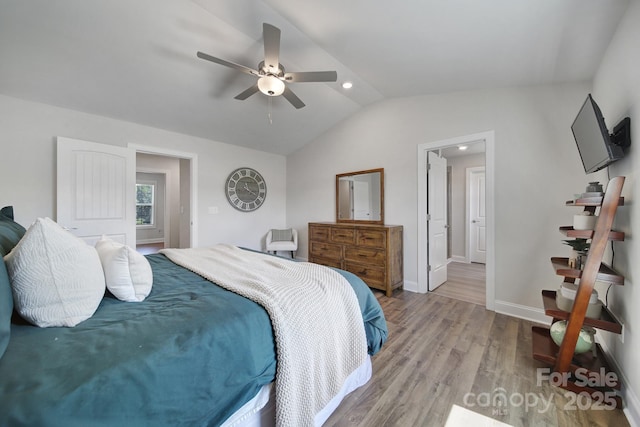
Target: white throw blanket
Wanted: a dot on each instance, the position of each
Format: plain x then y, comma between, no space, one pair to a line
314,312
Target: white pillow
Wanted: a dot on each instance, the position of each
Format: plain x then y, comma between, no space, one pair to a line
127,272
56,278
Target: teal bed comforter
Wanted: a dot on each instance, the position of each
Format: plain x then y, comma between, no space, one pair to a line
191,354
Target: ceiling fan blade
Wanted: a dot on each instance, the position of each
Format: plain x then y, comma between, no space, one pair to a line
271,37
247,93
238,67
311,76
292,98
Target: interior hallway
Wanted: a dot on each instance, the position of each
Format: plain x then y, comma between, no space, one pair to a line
465,282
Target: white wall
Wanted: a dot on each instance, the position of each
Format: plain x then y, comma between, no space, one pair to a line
28,170
537,169
616,89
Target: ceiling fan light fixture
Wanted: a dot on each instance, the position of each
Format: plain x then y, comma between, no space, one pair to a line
347,85
271,85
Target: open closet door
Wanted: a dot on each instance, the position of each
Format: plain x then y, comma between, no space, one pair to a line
96,190
437,223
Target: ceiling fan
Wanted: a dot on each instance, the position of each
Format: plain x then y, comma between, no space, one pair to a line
271,74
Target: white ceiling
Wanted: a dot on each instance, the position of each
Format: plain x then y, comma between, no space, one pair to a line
135,60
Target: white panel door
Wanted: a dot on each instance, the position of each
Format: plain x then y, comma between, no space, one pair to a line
437,224
477,215
96,190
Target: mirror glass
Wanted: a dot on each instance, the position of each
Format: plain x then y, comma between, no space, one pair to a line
360,196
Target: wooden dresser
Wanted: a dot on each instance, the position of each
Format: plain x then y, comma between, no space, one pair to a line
372,252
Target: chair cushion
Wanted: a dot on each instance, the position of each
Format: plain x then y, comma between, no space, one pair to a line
282,246
282,235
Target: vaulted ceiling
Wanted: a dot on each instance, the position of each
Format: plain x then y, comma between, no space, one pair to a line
135,60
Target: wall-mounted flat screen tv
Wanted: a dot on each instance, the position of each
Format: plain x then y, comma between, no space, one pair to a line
597,148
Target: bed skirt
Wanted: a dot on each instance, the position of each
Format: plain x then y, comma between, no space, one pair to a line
261,412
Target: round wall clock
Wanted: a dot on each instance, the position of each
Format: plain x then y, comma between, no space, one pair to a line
246,189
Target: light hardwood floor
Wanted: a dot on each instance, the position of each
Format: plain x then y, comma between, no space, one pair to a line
443,351
149,248
465,281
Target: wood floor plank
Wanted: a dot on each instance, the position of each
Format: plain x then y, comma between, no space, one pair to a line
442,352
465,281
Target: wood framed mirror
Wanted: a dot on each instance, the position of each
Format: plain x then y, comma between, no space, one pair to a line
360,196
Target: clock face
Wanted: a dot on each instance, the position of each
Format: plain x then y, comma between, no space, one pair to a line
246,189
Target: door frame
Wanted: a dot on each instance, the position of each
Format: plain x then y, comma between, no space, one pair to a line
193,171
423,253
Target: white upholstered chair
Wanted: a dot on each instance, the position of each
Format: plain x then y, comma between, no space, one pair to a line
282,240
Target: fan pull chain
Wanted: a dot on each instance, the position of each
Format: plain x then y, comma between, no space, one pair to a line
269,112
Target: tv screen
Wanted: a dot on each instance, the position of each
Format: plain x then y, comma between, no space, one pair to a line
592,137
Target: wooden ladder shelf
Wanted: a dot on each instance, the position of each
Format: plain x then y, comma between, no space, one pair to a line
562,358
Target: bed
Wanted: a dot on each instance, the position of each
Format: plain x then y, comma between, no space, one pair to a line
190,354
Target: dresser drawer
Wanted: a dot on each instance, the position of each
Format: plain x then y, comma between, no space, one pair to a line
343,235
373,276
367,256
325,250
328,262
371,238
319,233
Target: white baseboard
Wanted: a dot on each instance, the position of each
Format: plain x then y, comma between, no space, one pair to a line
458,258
522,312
149,241
630,401
410,286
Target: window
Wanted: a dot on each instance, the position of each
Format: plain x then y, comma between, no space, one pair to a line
145,200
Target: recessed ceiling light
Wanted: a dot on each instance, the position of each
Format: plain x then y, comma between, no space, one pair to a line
347,85
462,147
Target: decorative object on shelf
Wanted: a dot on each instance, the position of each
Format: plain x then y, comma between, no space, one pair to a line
245,189
594,187
586,338
584,221
580,248
566,295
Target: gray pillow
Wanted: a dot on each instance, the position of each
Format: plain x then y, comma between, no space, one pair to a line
10,234
281,235
6,307
10,231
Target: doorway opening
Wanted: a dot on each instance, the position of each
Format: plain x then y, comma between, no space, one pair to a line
174,174
459,239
